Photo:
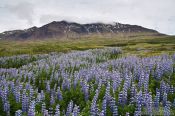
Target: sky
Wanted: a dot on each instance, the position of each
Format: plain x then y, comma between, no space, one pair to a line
153,14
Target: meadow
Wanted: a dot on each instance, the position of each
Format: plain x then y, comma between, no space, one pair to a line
140,45
88,77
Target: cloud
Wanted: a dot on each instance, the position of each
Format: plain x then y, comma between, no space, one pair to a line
23,11
155,14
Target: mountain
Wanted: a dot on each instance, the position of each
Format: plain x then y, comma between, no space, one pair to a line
74,30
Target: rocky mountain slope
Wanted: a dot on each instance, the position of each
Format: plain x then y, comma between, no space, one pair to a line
70,30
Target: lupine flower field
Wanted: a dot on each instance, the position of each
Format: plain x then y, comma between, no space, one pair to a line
97,82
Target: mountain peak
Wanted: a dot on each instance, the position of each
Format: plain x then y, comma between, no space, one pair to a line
59,29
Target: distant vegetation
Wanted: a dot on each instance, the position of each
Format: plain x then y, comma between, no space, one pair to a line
142,45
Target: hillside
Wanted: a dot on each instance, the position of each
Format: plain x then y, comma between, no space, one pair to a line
64,29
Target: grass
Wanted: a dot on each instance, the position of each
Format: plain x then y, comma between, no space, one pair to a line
141,45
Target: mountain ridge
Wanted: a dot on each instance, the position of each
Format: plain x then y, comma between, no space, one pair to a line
59,29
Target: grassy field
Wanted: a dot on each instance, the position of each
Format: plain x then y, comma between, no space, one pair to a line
141,45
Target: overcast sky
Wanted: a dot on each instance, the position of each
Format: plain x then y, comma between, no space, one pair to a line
21,14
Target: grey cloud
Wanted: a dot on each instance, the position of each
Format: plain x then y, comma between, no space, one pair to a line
155,14
22,10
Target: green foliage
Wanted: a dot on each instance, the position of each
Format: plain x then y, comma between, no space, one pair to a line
1,109
75,95
13,105
153,84
16,62
171,97
127,108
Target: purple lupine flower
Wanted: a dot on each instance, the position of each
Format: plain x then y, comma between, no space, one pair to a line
43,108
75,111
69,108
18,113
25,101
57,112
59,94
